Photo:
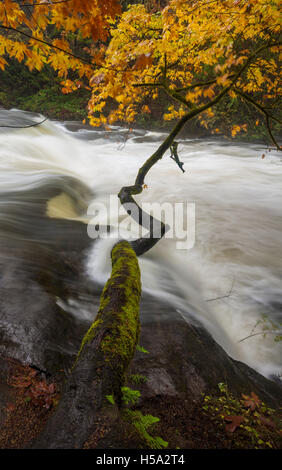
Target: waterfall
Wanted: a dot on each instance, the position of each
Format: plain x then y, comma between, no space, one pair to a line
232,274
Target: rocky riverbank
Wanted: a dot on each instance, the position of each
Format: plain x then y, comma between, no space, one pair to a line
177,366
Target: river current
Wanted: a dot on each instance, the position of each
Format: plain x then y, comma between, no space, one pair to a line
228,279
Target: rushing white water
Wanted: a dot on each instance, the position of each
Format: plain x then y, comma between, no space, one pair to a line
237,256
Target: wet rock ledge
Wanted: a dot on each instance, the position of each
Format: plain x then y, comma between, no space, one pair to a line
41,333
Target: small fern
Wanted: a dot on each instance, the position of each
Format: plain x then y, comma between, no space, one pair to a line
141,423
137,378
129,396
141,349
111,399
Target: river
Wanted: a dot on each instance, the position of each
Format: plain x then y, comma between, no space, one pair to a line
227,280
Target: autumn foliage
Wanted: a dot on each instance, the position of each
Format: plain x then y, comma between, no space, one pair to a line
247,421
40,32
32,387
197,52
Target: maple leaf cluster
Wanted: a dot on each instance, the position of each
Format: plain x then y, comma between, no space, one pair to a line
36,390
248,418
41,32
251,402
196,51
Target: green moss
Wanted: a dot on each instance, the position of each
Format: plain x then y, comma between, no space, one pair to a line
117,321
88,337
120,302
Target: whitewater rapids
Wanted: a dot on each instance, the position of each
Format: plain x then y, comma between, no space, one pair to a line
228,279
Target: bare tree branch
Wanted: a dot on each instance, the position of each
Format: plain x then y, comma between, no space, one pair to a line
196,85
257,105
271,133
25,127
268,116
271,332
10,28
52,46
223,296
49,3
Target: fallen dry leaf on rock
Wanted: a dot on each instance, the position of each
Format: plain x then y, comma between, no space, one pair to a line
233,422
251,401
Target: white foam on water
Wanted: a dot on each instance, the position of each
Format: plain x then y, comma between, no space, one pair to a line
237,256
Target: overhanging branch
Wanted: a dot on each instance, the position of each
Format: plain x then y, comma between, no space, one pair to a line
52,46
126,193
267,115
25,127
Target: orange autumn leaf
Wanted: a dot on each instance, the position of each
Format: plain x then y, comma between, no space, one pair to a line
234,422
145,109
251,401
235,129
143,61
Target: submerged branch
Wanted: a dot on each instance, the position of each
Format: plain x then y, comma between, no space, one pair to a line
25,127
223,296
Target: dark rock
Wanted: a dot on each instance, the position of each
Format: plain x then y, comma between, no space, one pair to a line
42,268
185,360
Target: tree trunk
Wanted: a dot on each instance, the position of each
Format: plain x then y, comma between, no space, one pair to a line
105,354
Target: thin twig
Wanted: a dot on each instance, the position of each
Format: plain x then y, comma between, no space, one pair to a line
272,332
126,136
263,110
52,46
49,4
26,127
9,28
223,296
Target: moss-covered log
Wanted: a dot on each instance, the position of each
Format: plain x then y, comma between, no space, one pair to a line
104,356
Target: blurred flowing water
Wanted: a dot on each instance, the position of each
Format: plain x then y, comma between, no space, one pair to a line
227,281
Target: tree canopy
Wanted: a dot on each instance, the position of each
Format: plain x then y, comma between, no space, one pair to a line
197,52
41,32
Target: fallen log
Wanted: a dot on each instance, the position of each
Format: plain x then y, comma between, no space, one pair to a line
105,354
